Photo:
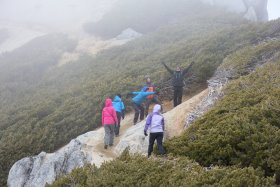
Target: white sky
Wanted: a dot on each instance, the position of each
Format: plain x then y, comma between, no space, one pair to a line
69,11
273,9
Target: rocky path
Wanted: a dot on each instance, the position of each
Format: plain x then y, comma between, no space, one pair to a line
95,147
174,119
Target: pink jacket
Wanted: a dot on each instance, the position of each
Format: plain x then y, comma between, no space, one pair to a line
109,116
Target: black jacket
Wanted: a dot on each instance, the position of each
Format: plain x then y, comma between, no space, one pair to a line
178,76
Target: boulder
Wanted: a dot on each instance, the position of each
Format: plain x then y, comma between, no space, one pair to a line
135,139
44,168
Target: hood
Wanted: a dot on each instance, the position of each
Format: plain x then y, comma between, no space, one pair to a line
145,89
108,102
117,99
149,83
157,108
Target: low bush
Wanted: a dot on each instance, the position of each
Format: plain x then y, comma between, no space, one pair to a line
242,129
140,171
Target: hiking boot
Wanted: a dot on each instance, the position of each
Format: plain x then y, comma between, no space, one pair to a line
105,146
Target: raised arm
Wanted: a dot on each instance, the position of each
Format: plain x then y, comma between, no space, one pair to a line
167,68
135,93
148,93
186,70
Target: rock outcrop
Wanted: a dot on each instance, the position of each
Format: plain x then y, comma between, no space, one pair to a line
134,139
254,10
222,76
45,168
215,86
174,126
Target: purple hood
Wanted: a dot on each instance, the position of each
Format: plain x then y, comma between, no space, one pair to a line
155,121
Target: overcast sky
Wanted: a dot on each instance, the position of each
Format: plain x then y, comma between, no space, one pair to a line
68,11
273,9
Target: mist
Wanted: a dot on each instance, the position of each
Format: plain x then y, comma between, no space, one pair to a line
53,14
70,15
273,9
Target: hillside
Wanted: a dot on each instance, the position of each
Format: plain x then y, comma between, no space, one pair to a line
236,143
88,148
66,101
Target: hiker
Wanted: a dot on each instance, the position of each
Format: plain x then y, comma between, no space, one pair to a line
119,107
137,103
151,98
155,124
178,82
109,120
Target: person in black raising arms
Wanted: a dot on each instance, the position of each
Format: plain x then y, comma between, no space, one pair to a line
178,82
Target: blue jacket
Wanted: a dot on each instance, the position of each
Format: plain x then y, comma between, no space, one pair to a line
140,96
118,104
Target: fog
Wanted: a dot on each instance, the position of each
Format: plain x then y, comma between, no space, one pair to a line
273,9
60,15
55,14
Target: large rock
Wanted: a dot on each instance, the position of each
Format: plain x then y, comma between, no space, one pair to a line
37,171
174,125
45,168
134,139
215,87
254,10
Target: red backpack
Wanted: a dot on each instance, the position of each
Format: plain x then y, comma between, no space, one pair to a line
151,89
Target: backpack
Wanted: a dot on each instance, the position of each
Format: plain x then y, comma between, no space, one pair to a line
151,89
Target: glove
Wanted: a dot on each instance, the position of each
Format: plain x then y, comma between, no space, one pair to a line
145,133
123,114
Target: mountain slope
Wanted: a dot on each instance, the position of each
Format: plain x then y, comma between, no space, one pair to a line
68,100
238,136
242,126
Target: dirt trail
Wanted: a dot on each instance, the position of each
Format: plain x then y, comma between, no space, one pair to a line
95,146
175,120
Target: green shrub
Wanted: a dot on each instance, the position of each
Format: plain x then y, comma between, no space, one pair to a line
140,171
242,129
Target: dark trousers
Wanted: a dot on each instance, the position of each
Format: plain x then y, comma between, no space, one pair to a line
117,127
139,109
178,93
149,101
159,137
